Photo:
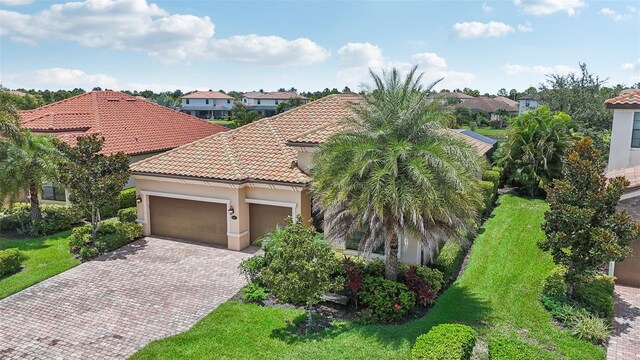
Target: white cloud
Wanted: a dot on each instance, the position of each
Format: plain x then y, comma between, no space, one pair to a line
475,29
15,2
141,26
548,7
516,69
526,27
269,50
59,78
486,8
616,16
357,58
634,69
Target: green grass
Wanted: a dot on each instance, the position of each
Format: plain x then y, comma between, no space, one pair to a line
497,295
43,257
227,123
497,134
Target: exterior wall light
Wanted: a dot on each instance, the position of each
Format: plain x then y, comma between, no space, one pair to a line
139,199
231,211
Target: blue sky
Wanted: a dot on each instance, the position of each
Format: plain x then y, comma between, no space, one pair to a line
242,45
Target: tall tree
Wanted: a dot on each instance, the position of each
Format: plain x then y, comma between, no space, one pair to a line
503,92
94,179
288,105
532,153
583,229
398,174
26,162
241,116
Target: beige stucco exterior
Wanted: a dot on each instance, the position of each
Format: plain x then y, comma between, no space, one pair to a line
621,154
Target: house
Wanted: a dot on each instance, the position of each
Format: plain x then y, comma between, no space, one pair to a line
17,93
207,104
624,159
527,103
266,103
136,127
492,106
454,97
257,177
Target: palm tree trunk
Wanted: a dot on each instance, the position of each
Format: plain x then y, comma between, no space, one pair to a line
34,201
391,256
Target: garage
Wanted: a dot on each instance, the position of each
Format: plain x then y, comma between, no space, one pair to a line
264,218
627,272
198,221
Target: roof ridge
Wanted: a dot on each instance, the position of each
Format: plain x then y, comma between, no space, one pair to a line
94,102
230,155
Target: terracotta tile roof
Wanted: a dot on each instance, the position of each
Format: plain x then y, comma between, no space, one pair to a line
631,173
206,95
627,99
127,123
454,95
259,151
488,105
277,95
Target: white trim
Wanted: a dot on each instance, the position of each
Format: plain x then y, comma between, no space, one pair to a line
631,194
612,268
146,211
238,234
291,205
295,188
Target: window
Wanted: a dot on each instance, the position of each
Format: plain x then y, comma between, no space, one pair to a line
635,134
353,242
187,102
258,101
206,101
50,192
276,102
228,101
244,100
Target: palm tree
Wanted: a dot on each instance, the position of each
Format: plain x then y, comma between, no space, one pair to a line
25,165
9,122
399,175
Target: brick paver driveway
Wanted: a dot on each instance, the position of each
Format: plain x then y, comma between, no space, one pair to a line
110,307
625,338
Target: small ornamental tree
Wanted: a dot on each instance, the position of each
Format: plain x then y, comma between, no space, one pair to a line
300,272
94,179
583,229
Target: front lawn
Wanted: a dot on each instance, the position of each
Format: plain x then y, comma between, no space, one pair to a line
44,257
497,295
497,134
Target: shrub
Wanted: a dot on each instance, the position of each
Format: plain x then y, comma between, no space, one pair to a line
386,301
374,267
493,177
253,293
445,342
252,267
554,284
127,198
353,278
510,348
55,218
590,327
596,295
129,214
433,278
561,309
9,261
449,260
112,234
488,194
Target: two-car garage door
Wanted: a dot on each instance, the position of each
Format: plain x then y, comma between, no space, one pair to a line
199,221
627,272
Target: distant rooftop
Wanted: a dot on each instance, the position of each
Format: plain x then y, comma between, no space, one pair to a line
276,95
206,95
455,95
628,99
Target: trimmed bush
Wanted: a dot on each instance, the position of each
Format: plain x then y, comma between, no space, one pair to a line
493,177
554,285
127,198
55,218
128,214
252,267
9,261
448,260
433,278
374,267
596,295
516,349
590,327
488,194
253,293
112,234
445,342
386,301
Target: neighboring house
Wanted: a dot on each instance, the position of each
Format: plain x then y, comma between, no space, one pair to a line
17,93
232,188
137,127
491,106
527,103
207,104
624,159
266,103
446,98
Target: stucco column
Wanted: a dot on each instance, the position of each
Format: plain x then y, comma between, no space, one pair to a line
238,231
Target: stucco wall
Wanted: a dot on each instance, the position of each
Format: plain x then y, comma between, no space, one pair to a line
621,154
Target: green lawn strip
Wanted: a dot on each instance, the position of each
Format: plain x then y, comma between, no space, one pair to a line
497,295
44,257
497,134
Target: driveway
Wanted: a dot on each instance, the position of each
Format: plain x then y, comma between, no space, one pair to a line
625,337
112,306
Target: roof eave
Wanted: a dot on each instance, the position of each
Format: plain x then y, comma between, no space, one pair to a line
226,181
623,106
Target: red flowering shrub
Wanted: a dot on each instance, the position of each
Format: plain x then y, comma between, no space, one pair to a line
353,281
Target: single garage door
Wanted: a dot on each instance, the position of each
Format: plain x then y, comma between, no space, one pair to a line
198,221
627,272
264,218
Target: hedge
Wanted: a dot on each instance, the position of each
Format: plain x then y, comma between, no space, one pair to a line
488,194
445,342
112,234
129,214
55,218
449,260
493,177
596,295
516,349
9,261
126,199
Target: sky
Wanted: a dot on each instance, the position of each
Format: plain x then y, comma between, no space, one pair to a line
311,45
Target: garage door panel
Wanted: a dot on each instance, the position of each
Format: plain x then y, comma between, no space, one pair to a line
189,220
264,218
627,272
